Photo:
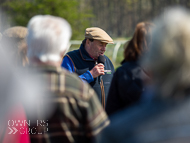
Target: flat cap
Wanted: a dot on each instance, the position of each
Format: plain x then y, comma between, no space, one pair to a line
16,32
98,34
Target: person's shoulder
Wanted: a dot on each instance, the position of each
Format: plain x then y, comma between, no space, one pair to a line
109,62
126,67
74,85
129,66
70,77
107,59
73,52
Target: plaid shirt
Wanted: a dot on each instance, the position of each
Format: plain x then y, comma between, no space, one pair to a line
78,116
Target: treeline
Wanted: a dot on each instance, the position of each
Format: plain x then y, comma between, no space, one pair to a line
117,17
20,11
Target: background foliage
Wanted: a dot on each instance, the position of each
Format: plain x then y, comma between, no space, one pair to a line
20,11
117,17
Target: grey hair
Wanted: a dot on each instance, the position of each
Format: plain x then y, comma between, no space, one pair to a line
169,56
48,36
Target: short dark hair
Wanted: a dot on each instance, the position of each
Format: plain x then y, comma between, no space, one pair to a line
84,41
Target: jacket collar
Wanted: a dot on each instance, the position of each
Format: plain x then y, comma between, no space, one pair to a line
84,54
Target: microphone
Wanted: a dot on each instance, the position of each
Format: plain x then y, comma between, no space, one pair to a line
101,59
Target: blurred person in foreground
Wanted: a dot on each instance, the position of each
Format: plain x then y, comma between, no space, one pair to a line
78,115
13,55
0,37
127,83
90,63
14,42
166,118
12,113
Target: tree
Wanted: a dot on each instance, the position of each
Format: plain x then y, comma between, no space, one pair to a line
117,17
20,11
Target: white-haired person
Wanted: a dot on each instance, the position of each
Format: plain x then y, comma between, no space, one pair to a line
13,59
78,115
166,118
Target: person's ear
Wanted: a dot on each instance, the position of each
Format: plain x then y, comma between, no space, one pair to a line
88,42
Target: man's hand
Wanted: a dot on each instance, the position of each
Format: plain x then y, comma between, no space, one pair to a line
97,70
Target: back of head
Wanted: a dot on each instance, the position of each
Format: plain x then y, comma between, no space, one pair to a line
48,38
139,43
169,57
14,42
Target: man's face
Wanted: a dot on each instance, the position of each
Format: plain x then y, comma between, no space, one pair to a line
96,48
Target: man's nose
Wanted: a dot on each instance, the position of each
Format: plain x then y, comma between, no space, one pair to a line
104,48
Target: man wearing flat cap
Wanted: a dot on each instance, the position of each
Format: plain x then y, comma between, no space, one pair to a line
84,61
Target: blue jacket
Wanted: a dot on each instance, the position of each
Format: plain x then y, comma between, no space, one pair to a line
80,62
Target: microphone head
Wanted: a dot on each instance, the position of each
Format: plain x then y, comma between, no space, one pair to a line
101,59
